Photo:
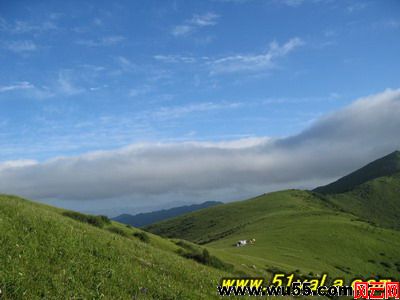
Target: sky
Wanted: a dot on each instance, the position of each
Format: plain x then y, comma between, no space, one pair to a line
131,106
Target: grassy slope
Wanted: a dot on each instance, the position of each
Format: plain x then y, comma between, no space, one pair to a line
294,230
377,201
47,255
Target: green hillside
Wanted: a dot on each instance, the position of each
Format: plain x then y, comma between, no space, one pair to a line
385,166
372,192
294,231
47,254
376,201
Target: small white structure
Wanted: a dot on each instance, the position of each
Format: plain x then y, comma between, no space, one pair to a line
241,243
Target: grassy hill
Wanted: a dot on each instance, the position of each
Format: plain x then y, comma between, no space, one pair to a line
49,253
377,201
294,231
372,192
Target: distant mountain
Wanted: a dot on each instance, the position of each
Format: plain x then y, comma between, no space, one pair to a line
145,219
385,166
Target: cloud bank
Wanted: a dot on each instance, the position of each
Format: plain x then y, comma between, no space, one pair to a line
150,176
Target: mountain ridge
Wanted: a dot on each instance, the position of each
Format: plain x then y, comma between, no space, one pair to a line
384,166
144,219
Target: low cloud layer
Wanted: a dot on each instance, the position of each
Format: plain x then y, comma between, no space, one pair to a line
149,176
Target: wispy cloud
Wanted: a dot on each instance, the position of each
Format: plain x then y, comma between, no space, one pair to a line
356,6
193,24
124,64
234,1
28,89
139,91
66,86
23,27
175,58
255,62
297,3
20,46
102,42
17,86
180,111
387,24
292,2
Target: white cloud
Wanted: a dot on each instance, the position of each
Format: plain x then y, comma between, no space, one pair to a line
293,2
297,3
151,175
182,30
23,27
20,46
28,90
125,65
139,91
175,58
63,86
255,62
66,86
196,22
17,86
388,24
356,6
208,19
14,164
179,111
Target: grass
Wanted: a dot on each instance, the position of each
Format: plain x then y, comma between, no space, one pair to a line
202,255
294,230
144,237
117,230
46,254
98,221
376,201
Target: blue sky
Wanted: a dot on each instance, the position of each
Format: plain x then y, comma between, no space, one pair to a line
84,76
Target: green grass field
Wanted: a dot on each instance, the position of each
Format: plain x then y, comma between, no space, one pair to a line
294,231
46,255
376,200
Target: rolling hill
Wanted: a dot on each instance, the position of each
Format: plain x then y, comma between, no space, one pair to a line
307,231
144,219
372,192
376,201
49,253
